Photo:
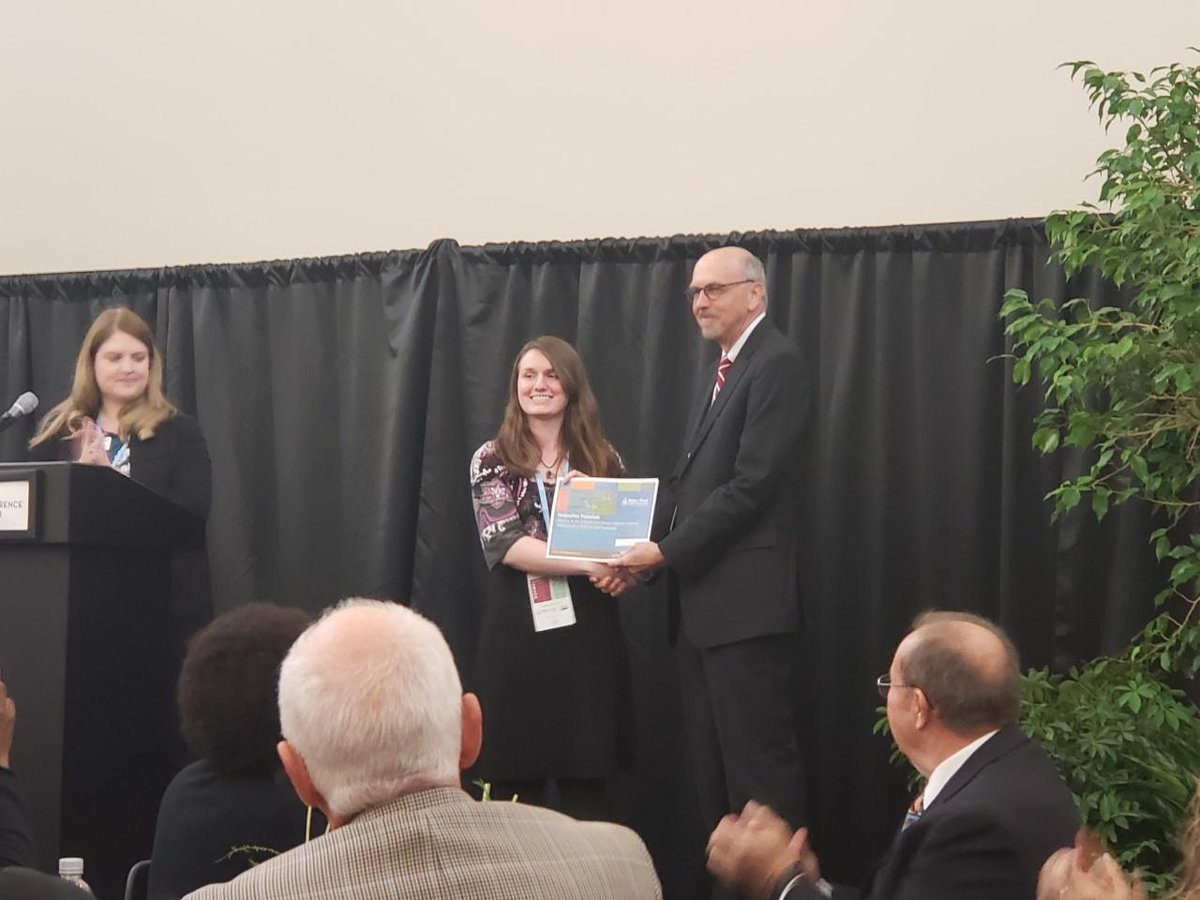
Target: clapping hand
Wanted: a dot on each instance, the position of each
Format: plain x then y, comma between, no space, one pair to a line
8,721
1083,872
752,850
90,441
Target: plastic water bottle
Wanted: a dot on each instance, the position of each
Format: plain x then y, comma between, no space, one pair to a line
70,869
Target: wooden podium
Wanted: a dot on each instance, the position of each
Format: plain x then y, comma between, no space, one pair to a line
89,647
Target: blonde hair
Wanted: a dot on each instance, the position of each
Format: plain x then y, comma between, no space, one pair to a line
140,418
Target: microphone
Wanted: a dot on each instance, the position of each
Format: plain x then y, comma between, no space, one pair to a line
24,405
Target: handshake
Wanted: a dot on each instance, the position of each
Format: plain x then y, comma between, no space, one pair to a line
627,570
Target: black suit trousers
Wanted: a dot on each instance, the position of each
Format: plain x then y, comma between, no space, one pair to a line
742,724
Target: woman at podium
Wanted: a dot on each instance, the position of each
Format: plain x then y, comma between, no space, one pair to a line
116,415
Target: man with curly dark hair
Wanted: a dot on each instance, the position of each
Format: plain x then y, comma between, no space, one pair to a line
234,806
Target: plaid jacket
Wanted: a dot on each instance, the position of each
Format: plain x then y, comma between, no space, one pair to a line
440,844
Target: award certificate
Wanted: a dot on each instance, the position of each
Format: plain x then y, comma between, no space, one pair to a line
598,519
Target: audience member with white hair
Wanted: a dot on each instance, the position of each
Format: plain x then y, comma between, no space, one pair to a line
376,729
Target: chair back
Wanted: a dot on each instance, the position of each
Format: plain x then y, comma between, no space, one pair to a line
137,883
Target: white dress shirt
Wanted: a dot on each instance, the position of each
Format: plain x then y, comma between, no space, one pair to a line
737,346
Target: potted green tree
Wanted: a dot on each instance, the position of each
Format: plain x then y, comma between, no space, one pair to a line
1123,385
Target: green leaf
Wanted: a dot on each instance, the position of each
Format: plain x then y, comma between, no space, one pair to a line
1046,439
1139,467
1185,571
1020,373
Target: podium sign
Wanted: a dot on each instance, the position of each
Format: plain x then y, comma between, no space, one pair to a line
19,504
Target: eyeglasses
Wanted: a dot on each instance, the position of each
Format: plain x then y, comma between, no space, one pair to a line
884,684
713,291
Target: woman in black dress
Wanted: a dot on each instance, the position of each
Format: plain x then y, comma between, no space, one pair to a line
555,701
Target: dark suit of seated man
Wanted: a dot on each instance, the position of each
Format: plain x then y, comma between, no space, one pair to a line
16,835
993,807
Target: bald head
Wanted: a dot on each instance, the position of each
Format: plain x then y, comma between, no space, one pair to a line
734,263
968,669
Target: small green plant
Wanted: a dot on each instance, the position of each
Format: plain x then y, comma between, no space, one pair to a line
485,791
253,854
1126,744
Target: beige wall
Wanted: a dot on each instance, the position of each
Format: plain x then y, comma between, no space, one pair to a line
163,132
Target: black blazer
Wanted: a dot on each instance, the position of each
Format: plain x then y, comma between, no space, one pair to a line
16,835
205,813
984,837
173,463
732,548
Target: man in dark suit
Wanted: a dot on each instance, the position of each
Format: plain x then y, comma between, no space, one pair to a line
731,545
993,806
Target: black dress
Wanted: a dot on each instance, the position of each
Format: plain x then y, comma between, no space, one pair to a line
556,704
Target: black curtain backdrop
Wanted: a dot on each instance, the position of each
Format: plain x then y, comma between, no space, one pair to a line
342,399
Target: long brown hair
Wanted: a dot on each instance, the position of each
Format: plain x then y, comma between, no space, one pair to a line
582,436
142,417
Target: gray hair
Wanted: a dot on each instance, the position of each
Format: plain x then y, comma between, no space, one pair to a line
753,270
968,690
370,699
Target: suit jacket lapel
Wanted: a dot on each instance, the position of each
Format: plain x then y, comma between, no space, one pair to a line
710,412
700,409
1003,741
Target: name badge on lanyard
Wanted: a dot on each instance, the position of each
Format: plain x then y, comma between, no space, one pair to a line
120,459
550,597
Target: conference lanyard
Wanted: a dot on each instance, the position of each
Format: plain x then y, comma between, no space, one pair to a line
562,473
550,601
120,459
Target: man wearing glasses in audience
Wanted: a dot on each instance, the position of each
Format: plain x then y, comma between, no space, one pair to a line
993,806
729,520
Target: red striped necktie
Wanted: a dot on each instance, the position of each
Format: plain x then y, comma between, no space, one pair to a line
722,371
